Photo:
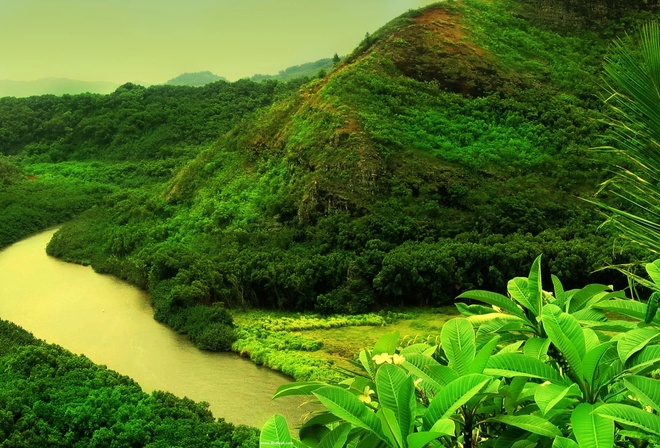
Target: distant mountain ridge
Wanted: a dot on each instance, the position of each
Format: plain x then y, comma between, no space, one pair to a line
309,69
53,86
196,79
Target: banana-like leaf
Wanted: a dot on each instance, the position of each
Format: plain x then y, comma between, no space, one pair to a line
367,363
652,307
492,298
566,334
479,363
303,388
653,269
387,343
444,426
586,296
335,438
629,415
275,433
423,438
646,389
590,429
416,349
500,323
531,423
534,286
473,310
513,392
517,289
536,348
547,395
563,442
480,319
649,356
457,337
347,406
617,326
390,427
517,364
419,366
629,308
633,341
592,360
560,295
590,315
396,392
451,397
514,347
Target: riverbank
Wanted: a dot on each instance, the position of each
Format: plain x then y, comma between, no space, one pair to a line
313,347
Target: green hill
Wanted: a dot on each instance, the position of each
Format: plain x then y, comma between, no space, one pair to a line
308,70
445,153
197,79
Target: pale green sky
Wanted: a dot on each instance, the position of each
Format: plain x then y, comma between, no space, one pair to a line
151,41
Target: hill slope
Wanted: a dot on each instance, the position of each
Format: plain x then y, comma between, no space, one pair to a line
444,154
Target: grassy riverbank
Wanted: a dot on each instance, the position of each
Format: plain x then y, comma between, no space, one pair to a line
314,347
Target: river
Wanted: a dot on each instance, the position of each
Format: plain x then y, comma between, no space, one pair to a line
112,323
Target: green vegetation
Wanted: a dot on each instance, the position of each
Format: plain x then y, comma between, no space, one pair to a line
308,70
197,79
538,369
434,159
53,398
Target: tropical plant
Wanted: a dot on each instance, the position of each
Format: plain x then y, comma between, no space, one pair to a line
559,375
633,85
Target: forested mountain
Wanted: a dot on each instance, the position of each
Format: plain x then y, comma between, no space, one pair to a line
197,79
445,153
309,70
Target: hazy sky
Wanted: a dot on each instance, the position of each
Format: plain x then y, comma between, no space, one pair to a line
151,41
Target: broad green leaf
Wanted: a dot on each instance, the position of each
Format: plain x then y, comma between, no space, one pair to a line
304,388
453,396
513,392
566,334
335,438
480,319
590,429
418,366
649,356
370,440
347,406
474,310
591,339
423,438
517,364
583,297
517,288
534,286
590,315
592,360
563,442
442,374
617,326
633,341
492,298
457,337
397,393
514,347
629,415
547,395
387,344
652,307
444,426
416,349
646,389
536,348
531,423
500,323
625,307
275,433
479,363
367,363
560,295
390,427
653,269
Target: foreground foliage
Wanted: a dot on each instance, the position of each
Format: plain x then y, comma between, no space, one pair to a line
50,397
532,369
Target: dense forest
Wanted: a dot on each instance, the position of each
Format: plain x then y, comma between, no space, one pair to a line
445,153
448,151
